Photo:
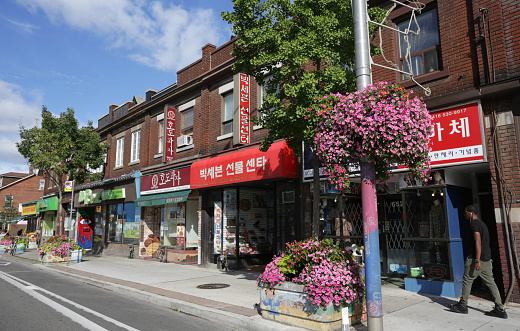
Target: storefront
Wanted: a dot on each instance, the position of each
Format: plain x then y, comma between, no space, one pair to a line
423,234
107,220
30,215
48,209
170,217
249,204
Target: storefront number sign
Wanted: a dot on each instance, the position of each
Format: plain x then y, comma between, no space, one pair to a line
171,180
457,135
244,109
169,132
242,166
217,241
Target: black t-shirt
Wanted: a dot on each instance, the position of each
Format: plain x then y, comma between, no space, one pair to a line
479,226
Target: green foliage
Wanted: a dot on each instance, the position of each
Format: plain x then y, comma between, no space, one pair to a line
60,146
306,46
9,210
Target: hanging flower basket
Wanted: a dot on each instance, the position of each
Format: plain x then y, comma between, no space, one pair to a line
383,123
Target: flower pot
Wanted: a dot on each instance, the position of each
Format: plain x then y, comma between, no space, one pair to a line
76,256
33,245
20,248
288,303
53,259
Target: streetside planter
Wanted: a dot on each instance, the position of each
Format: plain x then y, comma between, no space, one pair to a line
58,249
288,303
53,259
76,255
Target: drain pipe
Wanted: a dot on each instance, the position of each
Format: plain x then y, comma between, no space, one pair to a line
504,216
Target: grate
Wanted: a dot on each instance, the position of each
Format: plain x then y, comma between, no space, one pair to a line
212,286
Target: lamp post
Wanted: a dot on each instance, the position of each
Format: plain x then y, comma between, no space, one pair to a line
368,175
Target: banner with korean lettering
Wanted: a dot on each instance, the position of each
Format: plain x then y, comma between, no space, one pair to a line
167,181
242,122
458,135
169,134
217,230
244,166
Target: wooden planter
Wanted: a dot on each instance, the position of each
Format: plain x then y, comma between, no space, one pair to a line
288,303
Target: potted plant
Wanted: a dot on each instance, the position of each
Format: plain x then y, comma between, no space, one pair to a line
310,284
57,249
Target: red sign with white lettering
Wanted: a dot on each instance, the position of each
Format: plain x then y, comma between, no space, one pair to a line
169,134
457,135
244,95
168,181
244,166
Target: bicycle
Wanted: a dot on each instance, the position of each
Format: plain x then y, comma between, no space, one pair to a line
12,248
161,254
131,251
223,260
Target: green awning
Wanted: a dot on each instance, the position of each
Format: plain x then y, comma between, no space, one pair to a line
162,199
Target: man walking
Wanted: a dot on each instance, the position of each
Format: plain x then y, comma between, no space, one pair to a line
478,264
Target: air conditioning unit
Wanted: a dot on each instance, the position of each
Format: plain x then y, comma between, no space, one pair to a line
184,141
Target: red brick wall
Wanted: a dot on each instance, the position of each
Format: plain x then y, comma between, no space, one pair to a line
22,192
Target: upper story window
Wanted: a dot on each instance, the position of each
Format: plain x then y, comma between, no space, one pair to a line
136,143
41,185
161,135
424,47
8,198
228,105
120,146
187,122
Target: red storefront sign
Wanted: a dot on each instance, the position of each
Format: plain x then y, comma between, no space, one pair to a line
244,94
244,166
168,181
169,133
457,136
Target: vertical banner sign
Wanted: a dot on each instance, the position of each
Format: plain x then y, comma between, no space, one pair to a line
242,123
217,241
169,133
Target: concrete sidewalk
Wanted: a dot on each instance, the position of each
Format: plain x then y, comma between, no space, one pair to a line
185,288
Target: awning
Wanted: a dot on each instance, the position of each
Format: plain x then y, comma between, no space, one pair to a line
15,220
162,199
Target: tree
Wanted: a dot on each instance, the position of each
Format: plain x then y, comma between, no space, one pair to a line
63,151
298,50
9,210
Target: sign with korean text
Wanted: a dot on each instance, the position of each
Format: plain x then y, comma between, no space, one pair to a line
242,123
169,134
168,181
217,230
245,165
457,135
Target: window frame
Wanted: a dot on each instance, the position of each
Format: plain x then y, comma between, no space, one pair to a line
120,148
136,146
224,121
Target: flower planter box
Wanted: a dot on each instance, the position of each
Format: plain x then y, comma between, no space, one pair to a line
288,303
76,256
54,259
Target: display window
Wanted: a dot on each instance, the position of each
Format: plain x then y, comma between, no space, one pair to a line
122,225
426,233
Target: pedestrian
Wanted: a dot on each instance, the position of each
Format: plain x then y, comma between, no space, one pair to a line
478,264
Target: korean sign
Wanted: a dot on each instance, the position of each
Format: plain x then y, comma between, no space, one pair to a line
242,127
169,134
245,165
457,135
171,180
217,239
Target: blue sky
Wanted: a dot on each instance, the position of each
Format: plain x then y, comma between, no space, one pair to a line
89,54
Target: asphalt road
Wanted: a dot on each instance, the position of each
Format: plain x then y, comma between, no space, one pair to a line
35,299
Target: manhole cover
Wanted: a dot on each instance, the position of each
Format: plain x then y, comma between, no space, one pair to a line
212,286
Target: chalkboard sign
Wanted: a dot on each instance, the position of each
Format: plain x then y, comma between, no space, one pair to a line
437,271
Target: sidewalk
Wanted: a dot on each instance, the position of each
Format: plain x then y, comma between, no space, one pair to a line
179,287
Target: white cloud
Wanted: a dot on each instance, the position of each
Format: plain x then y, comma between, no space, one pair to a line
163,36
15,109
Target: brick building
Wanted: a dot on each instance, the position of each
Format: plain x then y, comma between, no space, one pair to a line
24,188
468,55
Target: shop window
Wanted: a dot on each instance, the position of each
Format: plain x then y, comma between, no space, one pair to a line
227,113
120,145
122,225
136,145
424,47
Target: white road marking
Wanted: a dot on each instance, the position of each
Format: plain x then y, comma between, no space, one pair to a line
84,322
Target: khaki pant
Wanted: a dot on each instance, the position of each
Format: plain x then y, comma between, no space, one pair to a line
486,273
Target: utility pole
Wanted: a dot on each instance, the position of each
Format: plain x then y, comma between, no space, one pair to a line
368,176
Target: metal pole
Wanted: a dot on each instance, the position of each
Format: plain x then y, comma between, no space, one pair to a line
368,191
